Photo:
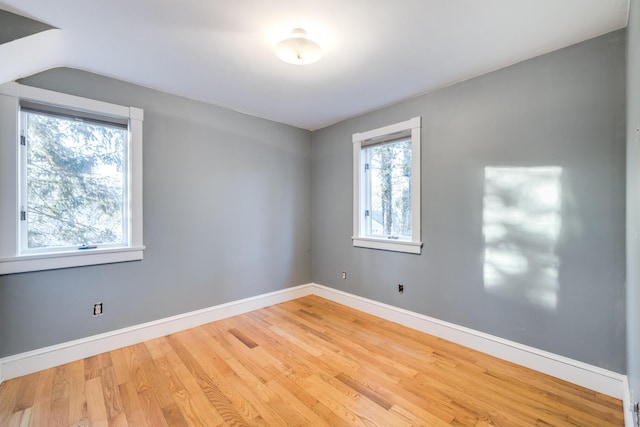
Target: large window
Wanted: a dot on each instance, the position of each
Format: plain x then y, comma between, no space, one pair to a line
387,187
74,193
71,171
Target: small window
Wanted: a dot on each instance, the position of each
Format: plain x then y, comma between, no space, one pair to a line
387,188
74,194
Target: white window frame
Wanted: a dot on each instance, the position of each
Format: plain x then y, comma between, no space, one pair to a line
377,136
11,260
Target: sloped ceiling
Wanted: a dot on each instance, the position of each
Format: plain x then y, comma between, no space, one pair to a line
14,26
376,52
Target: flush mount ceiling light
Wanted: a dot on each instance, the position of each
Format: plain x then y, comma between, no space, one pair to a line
298,49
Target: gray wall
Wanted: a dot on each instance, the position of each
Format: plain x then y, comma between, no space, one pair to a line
633,198
565,109
14,26
226,216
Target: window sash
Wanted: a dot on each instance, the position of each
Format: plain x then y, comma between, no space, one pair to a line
27,224
367,209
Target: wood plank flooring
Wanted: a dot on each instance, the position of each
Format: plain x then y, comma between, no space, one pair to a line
307,362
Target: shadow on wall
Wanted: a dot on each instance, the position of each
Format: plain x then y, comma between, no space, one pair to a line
521,225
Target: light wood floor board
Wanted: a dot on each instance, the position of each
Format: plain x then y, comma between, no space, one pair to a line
306,362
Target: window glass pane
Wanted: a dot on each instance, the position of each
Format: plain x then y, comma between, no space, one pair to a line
76,182
389,186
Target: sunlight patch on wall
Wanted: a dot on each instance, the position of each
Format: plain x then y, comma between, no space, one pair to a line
521,224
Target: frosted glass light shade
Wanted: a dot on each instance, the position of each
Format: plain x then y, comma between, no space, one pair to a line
298,49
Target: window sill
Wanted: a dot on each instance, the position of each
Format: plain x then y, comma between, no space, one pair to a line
388,245
25,263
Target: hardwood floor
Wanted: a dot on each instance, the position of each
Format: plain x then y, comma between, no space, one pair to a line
307,362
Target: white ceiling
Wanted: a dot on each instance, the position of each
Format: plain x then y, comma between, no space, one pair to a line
376,52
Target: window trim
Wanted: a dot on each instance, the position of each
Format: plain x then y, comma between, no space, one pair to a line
376,136
11,261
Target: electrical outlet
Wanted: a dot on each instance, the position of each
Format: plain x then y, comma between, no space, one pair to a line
344,275
97,309
400,288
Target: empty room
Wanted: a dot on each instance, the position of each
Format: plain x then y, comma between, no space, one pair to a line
320,213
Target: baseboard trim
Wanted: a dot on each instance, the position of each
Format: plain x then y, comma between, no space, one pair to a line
627,403
573,371
589,376
48,357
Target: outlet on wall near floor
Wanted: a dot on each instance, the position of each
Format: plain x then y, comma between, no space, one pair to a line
400,288
344,275
97,309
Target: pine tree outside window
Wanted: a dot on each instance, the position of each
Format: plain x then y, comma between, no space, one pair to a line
75,191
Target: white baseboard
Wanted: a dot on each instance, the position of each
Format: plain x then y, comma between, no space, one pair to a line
592,377
573,371
48,357
627,403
